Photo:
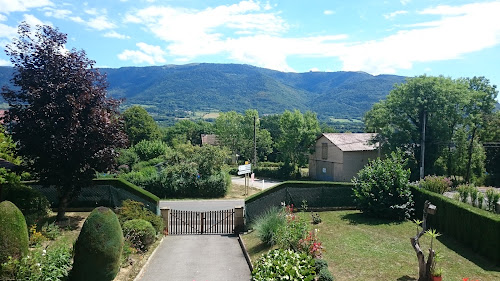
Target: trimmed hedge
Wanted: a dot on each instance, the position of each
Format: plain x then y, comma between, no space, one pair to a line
473,227
130,187
317,194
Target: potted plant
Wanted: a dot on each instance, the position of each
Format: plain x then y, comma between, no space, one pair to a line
436,274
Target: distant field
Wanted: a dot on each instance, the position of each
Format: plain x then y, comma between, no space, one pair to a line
340,120
211,115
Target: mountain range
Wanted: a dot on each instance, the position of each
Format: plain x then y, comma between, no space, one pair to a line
183,90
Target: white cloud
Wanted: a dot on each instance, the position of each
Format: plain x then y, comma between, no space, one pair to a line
3,17
8,6
77,19
100,23
404,2
328,12
57,13
460,30
394,14
114,34
5,63
146,54
7,31
34,21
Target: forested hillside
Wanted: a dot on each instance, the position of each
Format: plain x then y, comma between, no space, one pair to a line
183,90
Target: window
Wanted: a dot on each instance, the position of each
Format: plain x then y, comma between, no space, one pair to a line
324,151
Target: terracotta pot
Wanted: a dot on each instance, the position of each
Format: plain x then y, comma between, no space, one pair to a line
437,278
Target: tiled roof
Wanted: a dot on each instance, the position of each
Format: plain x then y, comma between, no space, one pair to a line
352,141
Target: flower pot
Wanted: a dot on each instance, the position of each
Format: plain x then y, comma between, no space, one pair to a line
437,278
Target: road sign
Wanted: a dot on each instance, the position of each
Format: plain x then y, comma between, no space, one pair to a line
244,169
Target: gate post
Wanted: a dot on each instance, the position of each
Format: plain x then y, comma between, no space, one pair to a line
239,219
165,212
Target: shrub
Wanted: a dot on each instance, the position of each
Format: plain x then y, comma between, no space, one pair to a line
132,210
480,200
268,224
325,275
51,231
381,188
311,245
289,235
52,263
32,203
473,191
316,218
36,237
147,149
319,264
98,248
436,184
13,232
492,197
283,264
463,192
140,233
127,157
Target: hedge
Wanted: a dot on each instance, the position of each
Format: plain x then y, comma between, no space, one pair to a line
317,195
473,227
130,187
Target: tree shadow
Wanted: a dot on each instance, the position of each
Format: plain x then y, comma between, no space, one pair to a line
468,253
361,218
406,278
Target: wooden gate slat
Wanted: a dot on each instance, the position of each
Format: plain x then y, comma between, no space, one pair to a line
209,222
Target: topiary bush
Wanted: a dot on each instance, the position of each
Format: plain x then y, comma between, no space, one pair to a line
132,210
283,264
140,233
381,188
98,249
13,232
268,224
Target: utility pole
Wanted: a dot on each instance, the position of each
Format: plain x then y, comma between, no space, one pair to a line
422,148
255,141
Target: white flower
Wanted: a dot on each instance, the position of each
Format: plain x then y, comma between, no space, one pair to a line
44,252
39,265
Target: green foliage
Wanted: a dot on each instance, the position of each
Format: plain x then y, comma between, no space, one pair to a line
481,231
325,275
140,233
436,184
492,198
13,232
316,218
381,188
290,234
51,230
187,131
139,125
32,203
53,263
267,224
320,264
98,249
463,192
127,157
147,149
281,264
133,210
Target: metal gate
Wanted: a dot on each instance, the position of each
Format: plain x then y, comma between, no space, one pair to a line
209,222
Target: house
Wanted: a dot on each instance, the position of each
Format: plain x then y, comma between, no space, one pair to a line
340,156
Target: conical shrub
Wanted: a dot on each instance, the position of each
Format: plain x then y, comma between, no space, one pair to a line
98,249
13,232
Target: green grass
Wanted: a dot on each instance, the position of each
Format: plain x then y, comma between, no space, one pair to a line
362,248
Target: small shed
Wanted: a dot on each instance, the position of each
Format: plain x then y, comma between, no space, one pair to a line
340,156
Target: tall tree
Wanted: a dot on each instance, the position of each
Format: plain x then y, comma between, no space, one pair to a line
298,134
59,115
139,125
422,112
185,131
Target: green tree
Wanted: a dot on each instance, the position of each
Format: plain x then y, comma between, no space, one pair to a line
298,134
436,102
185,131
491,136
7,152
59,116
229,130
139,125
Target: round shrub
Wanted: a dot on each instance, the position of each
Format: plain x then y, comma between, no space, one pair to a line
325,275
149,149
381,188
268,224
131,210
13,232
282,264
140,233
320,264
31,202
98,249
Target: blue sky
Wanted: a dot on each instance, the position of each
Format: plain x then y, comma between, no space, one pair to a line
404,37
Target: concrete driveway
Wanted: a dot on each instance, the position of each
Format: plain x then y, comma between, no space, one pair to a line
202,205
197,257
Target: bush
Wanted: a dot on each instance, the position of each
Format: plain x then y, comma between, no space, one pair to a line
51,231
463,192
140,233
436,184
52,263
283,264
32,203
147,150
325,275
492,197
290,234
13,232
268,224
132,210
98,248
381,188
319,264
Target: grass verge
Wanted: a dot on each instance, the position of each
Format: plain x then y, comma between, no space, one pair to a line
362,248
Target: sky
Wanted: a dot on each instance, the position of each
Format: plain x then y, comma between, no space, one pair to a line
404,37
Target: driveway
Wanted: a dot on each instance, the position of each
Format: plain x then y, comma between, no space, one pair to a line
257,183
197,257
202,205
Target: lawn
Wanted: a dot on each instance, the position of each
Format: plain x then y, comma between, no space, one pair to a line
361,248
